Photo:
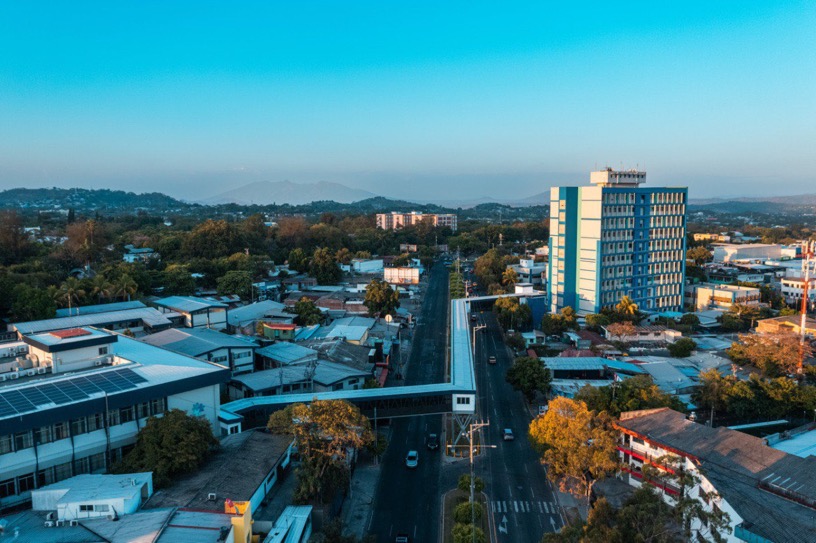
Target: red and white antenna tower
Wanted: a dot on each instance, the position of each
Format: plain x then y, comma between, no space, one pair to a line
808,250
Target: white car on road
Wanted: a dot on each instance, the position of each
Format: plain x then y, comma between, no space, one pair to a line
412,459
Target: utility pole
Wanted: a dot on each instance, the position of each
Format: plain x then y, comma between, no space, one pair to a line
807,254
474,426
476,329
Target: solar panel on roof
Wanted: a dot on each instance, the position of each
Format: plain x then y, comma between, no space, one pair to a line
76,388
36,396
54,393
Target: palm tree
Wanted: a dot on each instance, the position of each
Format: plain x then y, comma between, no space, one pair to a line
70,291
125,286
627,307
101,288
509,277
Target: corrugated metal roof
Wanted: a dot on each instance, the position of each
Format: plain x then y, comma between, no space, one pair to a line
99,308
287,353
196,341
148,315
189,304
255,311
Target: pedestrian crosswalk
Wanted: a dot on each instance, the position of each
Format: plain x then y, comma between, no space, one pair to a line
521,506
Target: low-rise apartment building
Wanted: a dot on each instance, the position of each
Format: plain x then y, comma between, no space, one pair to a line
767,494
396,220
713,296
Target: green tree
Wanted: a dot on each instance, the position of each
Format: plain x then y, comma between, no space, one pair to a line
31,304
489,267
177,280
509,278
529,376
324,268
627,308
463,484
125,287
638,392
325,432
682,348
577,445
380,298
70,292
236,282
100,288
691,320
772,354
169,446
467,533
699,255
307,312
465,512
298,260
596,320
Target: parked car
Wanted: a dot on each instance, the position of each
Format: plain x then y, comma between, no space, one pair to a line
412,459
432,442
491,359
508,435
402,538
473,318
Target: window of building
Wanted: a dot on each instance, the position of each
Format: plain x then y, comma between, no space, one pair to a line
25,483
102,508
95,422
6,444
158,406
62,471
43,434
60,431
82,465
86,508
23,440
79,426
7,488
103,351
45,476
143,410
127,414
113,417
97,462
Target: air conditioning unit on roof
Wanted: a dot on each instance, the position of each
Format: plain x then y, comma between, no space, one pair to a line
212,497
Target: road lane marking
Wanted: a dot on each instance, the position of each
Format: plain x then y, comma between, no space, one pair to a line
540,508
515,506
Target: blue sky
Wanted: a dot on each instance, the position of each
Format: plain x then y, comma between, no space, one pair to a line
425,100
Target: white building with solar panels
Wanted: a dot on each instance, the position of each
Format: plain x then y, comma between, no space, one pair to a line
72,402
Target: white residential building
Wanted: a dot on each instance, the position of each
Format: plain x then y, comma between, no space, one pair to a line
793,285
767,494
530,271
401,276
74,402
711,296
396,220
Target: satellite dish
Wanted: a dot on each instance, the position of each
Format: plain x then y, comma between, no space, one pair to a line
388,318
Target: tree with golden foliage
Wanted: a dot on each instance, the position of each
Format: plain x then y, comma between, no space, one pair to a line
326,432
576,444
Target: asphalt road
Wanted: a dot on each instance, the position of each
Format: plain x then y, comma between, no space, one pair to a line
408,501
521,499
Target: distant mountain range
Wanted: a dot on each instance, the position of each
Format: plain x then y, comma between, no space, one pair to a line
286,192
287,197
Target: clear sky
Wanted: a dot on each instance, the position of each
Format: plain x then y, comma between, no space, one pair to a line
424,100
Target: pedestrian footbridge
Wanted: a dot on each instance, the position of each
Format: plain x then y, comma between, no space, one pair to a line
457,396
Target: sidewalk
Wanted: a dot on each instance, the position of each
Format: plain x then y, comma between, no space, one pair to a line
359,503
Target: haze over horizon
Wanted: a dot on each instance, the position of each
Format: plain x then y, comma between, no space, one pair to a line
421,101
